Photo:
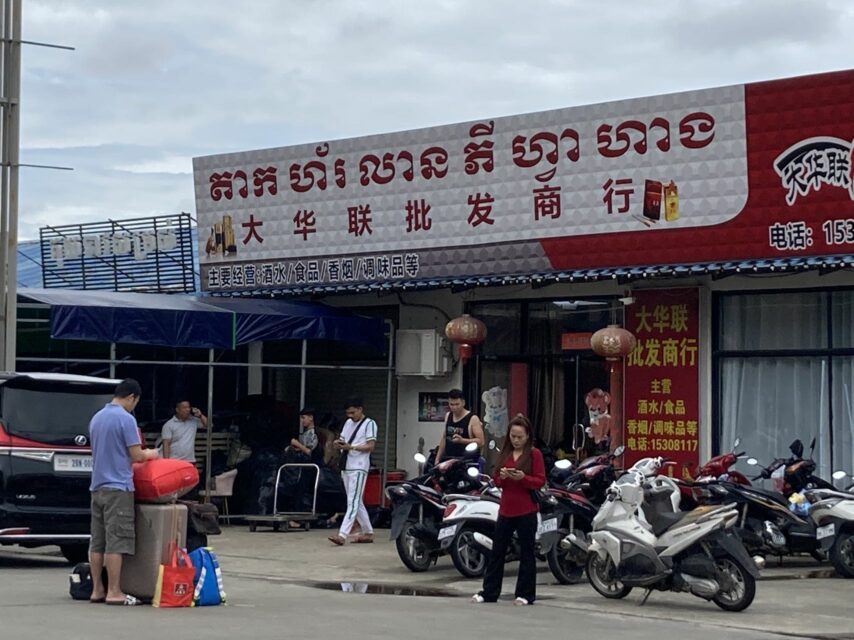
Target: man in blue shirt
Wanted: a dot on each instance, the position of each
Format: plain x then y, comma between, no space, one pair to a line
116,444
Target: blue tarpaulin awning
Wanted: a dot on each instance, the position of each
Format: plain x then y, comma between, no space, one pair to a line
188,321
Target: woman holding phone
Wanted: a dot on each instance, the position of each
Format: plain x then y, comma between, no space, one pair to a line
520,470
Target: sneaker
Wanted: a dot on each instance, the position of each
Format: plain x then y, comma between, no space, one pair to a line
477,599
520,602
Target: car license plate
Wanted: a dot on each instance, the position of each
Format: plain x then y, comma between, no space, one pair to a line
825,532
547,526
72,463
447,532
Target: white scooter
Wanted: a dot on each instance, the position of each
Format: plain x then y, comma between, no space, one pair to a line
469,525
693,551
833,514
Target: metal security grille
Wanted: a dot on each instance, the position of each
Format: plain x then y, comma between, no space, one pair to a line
152,254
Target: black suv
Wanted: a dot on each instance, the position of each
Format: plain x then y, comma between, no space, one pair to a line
45,459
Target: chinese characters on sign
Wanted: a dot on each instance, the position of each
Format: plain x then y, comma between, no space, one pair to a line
328,270
662,378
561,173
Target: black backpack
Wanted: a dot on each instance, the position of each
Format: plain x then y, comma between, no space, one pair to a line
80,581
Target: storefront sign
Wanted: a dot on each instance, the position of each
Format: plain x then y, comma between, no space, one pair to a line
689,177
141,254
575,341
662,384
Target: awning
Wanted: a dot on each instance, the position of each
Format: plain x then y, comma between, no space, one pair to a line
188,321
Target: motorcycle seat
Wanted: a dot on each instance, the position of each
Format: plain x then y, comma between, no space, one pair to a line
661,522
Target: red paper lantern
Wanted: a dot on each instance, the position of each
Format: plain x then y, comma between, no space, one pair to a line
613,342
465,331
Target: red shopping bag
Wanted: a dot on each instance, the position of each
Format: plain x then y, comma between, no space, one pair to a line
175,582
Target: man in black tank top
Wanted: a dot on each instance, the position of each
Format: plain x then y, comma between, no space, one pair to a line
461,428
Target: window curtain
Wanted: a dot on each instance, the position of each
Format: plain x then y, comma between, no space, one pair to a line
843,414
547,384
769,402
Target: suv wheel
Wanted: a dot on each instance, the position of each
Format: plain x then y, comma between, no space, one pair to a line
75,553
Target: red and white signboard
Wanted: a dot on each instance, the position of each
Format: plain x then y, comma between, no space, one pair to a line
748,171
662,390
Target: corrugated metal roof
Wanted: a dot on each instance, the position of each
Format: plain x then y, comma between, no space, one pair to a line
30,274
716,270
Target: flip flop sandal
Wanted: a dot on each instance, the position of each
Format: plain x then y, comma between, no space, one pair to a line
129,601
97,600
336,540
364,540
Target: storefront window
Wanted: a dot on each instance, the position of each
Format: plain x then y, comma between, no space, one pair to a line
547,321
762,322
768,400
842,314
503,322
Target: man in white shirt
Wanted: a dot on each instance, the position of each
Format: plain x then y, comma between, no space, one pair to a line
179,432
358,438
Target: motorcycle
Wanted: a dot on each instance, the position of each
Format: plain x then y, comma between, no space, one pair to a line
695,552
469,524
832,511
580,496
766,524
417,507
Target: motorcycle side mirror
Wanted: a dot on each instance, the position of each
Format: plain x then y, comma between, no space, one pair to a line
563,464
420,458
493,446
472,472
812,447
471,447
797,448
838,475
752,462
619,451
736,443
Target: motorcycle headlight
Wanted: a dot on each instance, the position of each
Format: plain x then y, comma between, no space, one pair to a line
550,500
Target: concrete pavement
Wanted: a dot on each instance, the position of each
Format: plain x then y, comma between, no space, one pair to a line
800,598
273,582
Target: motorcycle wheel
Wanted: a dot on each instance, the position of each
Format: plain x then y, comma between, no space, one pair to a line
600,573
742,587
563,567
842,555
467,559
412,551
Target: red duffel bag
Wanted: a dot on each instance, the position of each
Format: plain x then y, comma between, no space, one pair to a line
163,479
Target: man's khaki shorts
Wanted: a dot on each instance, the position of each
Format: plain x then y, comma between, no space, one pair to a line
112,522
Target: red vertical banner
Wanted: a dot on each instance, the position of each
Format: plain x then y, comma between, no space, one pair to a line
662,378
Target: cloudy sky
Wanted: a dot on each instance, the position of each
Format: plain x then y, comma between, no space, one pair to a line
153,83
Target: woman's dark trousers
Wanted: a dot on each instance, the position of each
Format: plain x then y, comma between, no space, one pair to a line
526,582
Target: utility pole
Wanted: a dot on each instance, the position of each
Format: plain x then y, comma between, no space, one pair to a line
10,125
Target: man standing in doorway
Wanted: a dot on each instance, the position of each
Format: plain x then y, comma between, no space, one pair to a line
179,432
357,441
115,440
462,427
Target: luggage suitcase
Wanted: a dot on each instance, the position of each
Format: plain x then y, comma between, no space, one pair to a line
157,526
163,479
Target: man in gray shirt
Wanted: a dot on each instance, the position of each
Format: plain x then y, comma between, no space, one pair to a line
179,432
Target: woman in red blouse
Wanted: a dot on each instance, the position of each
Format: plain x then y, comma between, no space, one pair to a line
519,471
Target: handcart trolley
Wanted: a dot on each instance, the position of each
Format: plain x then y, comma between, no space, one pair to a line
276,519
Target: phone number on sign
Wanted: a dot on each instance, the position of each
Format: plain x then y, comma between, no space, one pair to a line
668,444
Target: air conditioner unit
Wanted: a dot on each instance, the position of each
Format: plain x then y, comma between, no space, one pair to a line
421,352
